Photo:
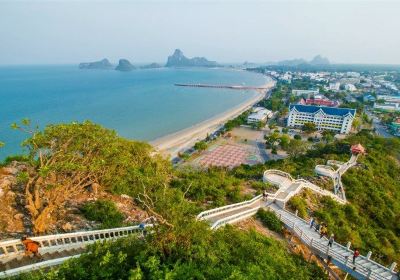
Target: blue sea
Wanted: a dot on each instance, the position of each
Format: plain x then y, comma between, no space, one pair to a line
142,104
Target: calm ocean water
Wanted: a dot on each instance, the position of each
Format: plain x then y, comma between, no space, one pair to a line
142,104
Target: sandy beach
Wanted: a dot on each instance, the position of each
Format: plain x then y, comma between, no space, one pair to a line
176,142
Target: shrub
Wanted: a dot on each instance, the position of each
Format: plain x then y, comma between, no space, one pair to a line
200,146
297,137
270,220
103,211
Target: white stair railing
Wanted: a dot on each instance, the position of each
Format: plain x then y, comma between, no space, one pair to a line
364,266
58,242
220,210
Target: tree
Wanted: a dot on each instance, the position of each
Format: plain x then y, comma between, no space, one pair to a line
284,141
296,148
200,146
309,127
272,139
71,157
327,136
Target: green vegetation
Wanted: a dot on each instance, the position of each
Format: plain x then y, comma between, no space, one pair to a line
190,251
309,127
370,220
104,212
239,120
214,186
200,146
69,157
179,247
270,220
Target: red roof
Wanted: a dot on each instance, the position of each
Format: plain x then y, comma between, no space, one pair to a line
357,149
320,102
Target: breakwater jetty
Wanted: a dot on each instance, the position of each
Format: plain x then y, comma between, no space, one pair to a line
239,87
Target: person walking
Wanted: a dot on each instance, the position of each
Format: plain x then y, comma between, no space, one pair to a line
317,227
265,195
355,255
31,247
323,230
142,227
331,239
312,221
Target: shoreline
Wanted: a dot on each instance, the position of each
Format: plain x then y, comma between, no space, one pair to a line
172,144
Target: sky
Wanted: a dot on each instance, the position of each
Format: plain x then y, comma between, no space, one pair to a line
64,32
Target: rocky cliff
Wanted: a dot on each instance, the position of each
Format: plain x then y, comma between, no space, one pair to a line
150,66
178,59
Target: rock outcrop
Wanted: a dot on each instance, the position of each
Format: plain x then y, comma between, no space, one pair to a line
124,65
177,59
102,64
151,66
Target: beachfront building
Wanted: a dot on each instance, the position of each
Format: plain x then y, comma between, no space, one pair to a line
338,120
259,114
299,92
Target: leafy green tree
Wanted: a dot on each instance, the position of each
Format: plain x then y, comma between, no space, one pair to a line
73,156
296,148
297,137
284,141
309,127
200,146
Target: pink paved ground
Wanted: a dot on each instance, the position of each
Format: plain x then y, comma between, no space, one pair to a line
225,156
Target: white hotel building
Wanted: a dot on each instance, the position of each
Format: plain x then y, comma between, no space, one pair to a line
338,120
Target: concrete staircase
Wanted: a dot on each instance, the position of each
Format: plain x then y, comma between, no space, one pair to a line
341,256
54,249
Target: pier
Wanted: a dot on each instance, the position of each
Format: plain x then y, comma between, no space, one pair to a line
238,87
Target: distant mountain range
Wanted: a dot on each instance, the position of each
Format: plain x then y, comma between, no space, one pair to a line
178,59
317,60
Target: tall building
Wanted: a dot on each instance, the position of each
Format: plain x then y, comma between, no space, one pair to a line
338,120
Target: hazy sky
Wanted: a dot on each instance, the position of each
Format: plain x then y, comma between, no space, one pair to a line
38,32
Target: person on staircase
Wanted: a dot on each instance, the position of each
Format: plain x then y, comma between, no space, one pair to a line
331,240
312,222
355,255
323,231
31,247
265,195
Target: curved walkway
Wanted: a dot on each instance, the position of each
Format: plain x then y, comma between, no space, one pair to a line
288,187
336,175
